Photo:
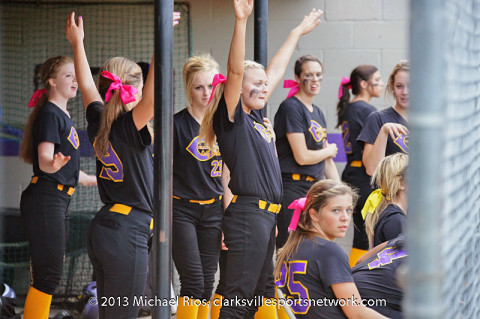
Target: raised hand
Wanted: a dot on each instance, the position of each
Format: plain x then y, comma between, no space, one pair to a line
243,8
73,32
310,21
59,160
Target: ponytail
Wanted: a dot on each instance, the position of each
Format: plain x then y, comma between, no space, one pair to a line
206,129
342,103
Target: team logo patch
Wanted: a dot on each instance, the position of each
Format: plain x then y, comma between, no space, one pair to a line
73,138
402,142
318,132
200,151
264,132
386,256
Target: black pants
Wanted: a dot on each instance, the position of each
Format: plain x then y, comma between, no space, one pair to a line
45,211
117,245
292,190
250,237
197,235
360,181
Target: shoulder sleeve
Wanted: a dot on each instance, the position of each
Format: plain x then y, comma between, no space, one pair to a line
221,122
176,125
370,131
292,117
127,131
393,226
47,128
94,113
333,265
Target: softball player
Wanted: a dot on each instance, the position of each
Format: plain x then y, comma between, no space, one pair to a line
376,276
197,194
51,144
312,270
385,210
117,117
303,151
385,131
366,83
247,144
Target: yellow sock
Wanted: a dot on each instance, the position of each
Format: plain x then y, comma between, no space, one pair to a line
203,311
355,253
37,304
268,310
187,308
215,306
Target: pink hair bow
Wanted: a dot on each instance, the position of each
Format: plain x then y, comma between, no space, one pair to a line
127,92
217,79
293,85
345,80
36,96
298,205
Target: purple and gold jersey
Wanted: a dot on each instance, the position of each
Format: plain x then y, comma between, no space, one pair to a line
125,174
197,170
392,222
374,124
294,117
307,278
55,126
249,151
376,277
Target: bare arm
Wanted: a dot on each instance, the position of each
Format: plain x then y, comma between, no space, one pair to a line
236,56
348,290
304,156
47,161
374,153
371,252
331,171
276,68
87,180
75,35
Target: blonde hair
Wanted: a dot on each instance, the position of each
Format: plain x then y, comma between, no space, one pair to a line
206,129
49,70
317,198
194,65
388,176
130,74
402,65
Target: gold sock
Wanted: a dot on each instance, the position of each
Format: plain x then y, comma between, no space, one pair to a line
355,253
215,306
187,308
37,304
268,310
203,311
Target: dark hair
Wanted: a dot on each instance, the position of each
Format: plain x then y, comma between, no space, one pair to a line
48,70
304,59
359,74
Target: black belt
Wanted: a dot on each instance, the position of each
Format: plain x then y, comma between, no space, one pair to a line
64,189
298,177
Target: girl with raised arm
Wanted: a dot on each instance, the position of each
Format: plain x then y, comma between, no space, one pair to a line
117,116
247,144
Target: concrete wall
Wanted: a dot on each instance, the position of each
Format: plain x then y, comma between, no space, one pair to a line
353,32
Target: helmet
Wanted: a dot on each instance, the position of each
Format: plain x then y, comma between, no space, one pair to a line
90,311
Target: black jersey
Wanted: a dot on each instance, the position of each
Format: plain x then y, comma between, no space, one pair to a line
197,170
294,117
391,222
53,125
309,275
249,151
376,278
125,175
375,121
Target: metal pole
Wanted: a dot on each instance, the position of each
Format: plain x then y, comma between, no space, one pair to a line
427,105
261,34
163,149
